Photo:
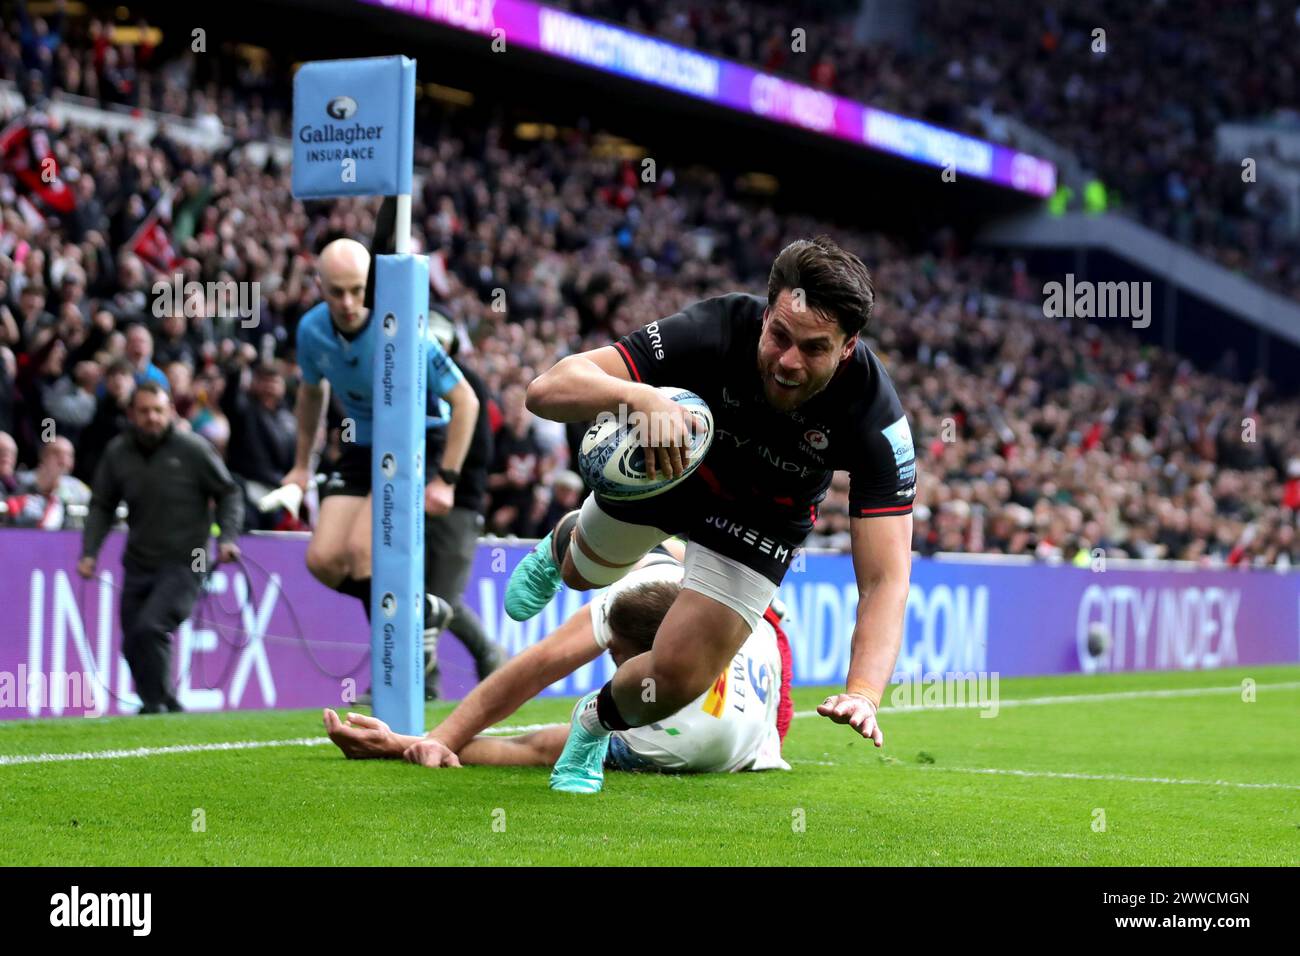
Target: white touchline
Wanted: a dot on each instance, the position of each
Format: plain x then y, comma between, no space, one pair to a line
16,759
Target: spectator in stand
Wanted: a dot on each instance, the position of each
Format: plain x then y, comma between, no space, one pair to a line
131,296
40,40
8,465
263,430
71,401
10,333
110,418
72,291
207,418
516,468
173,343
180,382
48,494
565,494
38,375
8,375
139,352
31,315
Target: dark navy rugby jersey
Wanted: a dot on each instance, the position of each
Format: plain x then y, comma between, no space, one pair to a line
785,459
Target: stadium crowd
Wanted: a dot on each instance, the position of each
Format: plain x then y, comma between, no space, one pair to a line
1141,115
1040,437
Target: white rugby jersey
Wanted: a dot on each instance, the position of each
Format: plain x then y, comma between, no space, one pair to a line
732,725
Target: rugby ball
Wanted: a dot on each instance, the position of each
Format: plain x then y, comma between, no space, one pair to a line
612,461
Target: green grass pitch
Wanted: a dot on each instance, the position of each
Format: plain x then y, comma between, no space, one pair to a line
1134,778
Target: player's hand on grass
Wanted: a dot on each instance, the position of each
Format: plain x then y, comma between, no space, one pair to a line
438,497
856,711
362,737
666,430
430,753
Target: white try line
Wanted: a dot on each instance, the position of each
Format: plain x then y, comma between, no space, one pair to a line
6,761
16,759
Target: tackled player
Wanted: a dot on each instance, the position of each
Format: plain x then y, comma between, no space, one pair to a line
737,724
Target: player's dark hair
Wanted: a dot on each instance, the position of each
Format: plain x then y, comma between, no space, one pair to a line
834,281
635,615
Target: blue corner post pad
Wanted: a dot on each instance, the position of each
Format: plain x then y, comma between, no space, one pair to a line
397,469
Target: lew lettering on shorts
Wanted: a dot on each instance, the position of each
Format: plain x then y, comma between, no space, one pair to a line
751,537
73,909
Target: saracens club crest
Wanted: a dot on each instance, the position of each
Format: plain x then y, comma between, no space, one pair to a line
816,439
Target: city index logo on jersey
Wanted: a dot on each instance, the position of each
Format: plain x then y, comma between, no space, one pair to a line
716,700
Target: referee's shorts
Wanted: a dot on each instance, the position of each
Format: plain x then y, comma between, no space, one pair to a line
350,476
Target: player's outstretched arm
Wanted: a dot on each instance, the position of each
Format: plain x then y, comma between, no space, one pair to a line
882,563
363,737
521,679
541,748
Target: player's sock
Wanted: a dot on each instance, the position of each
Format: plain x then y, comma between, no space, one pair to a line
601,716
562,536
437,614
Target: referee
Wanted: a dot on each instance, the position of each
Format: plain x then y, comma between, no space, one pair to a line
168,479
